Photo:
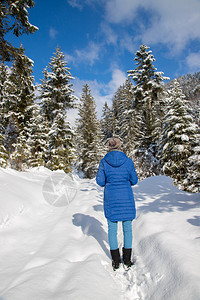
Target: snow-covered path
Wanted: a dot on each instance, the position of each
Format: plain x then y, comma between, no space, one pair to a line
59,252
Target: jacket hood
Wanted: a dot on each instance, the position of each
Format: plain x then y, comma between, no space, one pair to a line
115,158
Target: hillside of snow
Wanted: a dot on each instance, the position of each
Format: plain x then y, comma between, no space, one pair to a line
54,244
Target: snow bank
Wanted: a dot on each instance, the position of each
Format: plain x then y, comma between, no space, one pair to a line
20,192
54,240
167,238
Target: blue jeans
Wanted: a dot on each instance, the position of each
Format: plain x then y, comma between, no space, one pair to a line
112,234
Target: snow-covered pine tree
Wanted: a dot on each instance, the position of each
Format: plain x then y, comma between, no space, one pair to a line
3,78
45,97
3,153
14,18
37,138
61,146
123,117
179,143
18,103
149,106
56,99
190,85
19,157
56,88
88,138
106,122
193,178
117,111
127,124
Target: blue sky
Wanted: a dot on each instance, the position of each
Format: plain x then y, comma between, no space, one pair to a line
100,37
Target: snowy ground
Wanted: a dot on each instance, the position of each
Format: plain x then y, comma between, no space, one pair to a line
54,246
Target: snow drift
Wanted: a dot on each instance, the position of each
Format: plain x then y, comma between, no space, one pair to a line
54,244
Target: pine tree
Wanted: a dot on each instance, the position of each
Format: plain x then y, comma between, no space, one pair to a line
18,102
123,117
88,139
149,106
61,148
117,111
3,78
11,134
19,157
46,97
190,85
179,136
106,122
13,18
3,153
56,99
193,179
56,88
3,156
37,138
127,123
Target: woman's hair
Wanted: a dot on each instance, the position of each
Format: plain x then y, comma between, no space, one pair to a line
114,144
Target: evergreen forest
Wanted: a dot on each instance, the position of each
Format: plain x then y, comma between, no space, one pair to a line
156,119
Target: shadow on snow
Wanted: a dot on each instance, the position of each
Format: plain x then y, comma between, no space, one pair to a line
92,227
158,194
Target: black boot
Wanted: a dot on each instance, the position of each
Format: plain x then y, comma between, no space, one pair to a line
116,260
127,258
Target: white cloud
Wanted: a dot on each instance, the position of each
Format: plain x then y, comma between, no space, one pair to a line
193,61
88,55
53,32
177,23
69,58
117,11
76,4
128,42
110,36
81,3
171,22
118,78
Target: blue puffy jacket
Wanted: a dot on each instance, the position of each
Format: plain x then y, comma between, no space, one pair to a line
117,173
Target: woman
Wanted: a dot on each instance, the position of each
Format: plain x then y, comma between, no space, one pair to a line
117,173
